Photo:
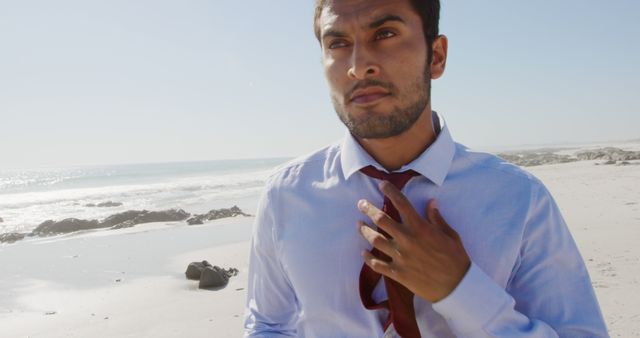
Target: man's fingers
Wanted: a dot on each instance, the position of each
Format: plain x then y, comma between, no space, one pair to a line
436,218
386,245
380,219
400,201
385,268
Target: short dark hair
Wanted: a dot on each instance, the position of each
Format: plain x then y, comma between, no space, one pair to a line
428,10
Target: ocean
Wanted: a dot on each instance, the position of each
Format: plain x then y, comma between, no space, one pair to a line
29,197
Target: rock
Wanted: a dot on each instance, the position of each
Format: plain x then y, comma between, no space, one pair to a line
534,158
608,153
90,205
1,220
213,277
171,215
133,217
48,228
194,270
216,214
195,220
108,204
122,217
117,221
610,162
11,237
125,224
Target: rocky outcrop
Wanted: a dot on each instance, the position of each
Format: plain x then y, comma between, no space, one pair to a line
216,214
108,204
608,154
122,217
50,228
132,217
11,237
530,159
122,220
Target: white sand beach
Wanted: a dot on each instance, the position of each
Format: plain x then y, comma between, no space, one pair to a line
131,282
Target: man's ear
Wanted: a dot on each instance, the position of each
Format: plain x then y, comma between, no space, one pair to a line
439,56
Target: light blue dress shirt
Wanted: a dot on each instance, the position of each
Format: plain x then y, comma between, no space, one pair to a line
527,278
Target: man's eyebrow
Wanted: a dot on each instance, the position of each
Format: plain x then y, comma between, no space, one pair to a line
333,34
381,21
373,25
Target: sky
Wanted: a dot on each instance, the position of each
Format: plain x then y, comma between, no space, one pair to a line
88,82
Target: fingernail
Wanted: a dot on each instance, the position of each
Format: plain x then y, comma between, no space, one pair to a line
360,224
363,205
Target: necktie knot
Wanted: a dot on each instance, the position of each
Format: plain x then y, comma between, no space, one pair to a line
399,179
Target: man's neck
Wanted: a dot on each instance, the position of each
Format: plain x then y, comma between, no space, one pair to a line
394,152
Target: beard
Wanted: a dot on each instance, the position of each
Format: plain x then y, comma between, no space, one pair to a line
375,125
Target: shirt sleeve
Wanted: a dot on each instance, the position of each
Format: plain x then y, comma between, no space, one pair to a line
549,293
271,307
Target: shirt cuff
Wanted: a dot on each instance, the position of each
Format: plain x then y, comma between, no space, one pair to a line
473,303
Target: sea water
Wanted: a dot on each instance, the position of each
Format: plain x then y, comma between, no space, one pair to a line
30,196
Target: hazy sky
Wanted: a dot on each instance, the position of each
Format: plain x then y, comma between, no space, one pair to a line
117,81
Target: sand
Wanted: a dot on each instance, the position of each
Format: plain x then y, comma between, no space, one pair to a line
130,283
601,205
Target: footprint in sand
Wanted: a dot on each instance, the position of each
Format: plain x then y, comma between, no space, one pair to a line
606,269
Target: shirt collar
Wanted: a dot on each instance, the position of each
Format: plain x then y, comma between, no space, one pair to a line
433,163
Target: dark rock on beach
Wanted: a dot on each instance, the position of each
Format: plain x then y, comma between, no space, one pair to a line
121,217
125,219
1,220
216,214
133,217
194,270
11,237
122,220
49,228
216,277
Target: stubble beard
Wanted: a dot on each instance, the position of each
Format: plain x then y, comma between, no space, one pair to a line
376,125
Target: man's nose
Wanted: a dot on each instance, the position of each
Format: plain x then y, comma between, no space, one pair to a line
363,64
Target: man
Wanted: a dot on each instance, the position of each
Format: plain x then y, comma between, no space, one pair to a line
467,245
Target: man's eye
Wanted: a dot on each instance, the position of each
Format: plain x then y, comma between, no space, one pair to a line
385,34
337,44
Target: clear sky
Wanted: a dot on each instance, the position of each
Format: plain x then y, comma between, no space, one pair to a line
121,81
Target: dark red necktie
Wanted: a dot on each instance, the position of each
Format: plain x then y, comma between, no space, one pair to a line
400,299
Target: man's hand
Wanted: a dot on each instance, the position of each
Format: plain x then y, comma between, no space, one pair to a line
427,255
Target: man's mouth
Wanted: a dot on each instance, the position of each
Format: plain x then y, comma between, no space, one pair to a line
368,95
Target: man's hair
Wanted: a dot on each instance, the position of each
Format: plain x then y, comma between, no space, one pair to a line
428,10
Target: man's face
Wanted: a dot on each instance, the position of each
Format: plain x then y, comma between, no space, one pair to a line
375,59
